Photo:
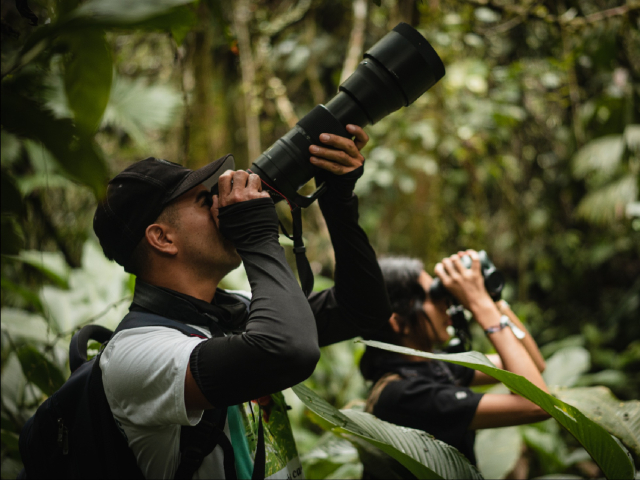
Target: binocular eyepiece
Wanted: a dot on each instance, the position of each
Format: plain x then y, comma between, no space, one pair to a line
493,279
394,73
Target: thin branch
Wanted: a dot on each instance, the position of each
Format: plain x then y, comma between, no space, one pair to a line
356,40
241,15
523,12
291,16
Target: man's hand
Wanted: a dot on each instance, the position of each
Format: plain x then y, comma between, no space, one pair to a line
236,187
346,158
466,284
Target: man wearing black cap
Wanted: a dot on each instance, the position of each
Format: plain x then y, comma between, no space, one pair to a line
161,223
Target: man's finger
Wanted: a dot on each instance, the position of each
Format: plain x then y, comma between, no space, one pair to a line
341,143
240,178
337,156
224,183
254,183
361,137
329,166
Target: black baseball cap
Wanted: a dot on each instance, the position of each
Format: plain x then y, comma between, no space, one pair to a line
137,196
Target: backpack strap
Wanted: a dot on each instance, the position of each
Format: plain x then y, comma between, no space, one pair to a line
79,343
199,441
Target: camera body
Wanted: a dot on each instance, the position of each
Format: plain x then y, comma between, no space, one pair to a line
493,279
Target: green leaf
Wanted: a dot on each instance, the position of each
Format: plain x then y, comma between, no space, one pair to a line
602,155
40,370
12,241
77,155
51,264
11,197
29,296
88,74
9,440
608,203
621,419
498,450
20,324
611,459
566,365
419,452
137,108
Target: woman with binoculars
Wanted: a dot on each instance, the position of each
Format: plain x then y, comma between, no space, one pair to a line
435,396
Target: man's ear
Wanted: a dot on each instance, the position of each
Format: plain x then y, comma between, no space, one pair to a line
160,239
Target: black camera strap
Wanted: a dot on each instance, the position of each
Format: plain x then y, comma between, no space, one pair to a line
302,263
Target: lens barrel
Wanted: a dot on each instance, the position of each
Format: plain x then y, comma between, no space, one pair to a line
394,73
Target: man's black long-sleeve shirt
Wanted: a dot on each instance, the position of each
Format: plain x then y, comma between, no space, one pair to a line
278,345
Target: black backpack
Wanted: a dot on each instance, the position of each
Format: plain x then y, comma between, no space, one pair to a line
73,434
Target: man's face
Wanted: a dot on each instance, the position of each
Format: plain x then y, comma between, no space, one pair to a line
437,312
198,238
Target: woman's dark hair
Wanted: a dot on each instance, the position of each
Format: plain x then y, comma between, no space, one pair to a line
406,296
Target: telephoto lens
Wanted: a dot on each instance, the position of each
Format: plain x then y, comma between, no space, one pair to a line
394,73
493,279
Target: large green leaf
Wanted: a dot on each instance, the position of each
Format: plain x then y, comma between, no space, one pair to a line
621,419
109,14
608,203
77,154
498,450
603,448
602,156
88,74
40,370
419,452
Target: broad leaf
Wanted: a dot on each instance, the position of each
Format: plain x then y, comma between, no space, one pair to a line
11,197
621,419
88,74
603,448
602,156
608,203
76,154
566,365
498,450
417,451
40,370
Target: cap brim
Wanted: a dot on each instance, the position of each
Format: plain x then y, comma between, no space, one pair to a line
207,176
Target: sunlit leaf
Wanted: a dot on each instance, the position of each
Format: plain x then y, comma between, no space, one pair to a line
621,419
87,77
566,365
608,203
420,453
40,370
20,324
602,155
611,459
51,264
498,450
137,108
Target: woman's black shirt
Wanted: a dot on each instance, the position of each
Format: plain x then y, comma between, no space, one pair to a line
432,396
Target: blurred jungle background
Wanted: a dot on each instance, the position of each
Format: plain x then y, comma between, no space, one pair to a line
528,148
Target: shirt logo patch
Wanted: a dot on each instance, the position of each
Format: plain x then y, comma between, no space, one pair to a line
460,395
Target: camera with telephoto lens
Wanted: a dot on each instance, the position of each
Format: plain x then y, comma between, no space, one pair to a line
394,73
493,279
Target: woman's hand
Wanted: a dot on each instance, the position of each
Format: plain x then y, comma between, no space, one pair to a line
465,284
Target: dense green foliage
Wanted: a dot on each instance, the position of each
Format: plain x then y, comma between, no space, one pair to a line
528,148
